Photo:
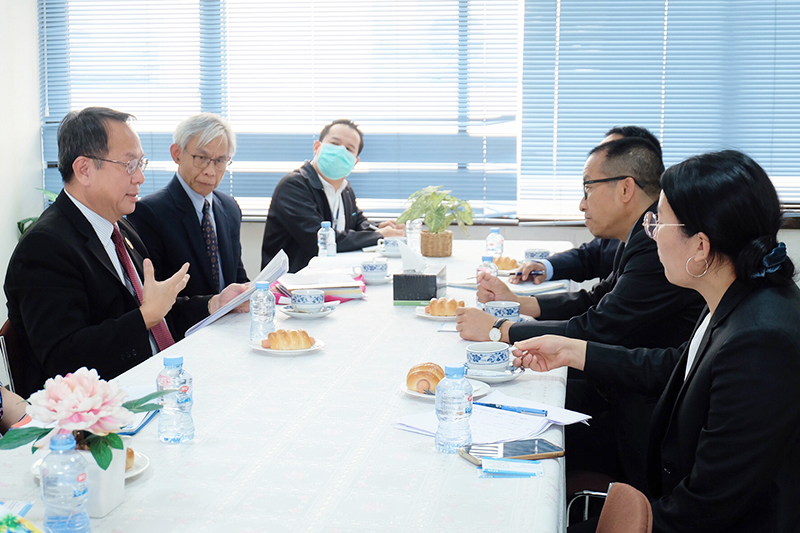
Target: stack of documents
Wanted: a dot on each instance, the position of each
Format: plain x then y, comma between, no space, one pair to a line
521,289
335,282
491,425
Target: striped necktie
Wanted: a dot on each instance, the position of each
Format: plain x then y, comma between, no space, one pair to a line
160,331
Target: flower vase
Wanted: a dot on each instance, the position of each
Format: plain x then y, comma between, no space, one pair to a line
106,487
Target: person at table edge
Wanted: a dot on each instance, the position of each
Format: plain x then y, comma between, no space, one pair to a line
71,301
319,191
635,305
189,220
724,452
593,259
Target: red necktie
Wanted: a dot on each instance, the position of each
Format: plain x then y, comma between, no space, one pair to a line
160,331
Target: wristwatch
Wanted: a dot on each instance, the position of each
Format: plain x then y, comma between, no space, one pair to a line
495,334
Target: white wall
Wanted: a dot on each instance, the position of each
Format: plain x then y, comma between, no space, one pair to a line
19,124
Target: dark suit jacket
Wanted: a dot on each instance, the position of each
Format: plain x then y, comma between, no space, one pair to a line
593,259
168,225
298,208
634,306
724,443
69,308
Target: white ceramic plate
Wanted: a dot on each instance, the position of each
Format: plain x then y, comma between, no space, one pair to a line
420,312
317,345
479,389
140,464
488,376
288,310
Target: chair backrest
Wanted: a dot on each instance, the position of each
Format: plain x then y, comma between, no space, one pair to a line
5,377
626,511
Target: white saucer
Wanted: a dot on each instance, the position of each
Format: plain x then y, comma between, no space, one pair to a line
386,253
489,376
317,345
479,389
288,310
380,281
420,312
140,464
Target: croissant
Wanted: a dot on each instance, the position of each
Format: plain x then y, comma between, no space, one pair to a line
288,340
443,307
424,376
505,263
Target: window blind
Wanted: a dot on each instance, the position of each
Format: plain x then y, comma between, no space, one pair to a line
498,100
701,76
432,83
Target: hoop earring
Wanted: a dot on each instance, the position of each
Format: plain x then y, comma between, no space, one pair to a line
704,270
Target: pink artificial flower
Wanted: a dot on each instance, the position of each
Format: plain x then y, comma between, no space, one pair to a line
81,400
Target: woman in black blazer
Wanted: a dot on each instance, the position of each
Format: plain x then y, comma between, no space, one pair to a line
724,450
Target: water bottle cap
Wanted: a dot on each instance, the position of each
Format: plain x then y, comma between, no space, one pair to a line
326,224
487,258
173,360
454,371
494,230
261,285
62,441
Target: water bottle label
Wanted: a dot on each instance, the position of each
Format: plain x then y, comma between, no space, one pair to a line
82,477
184,389
184,398
80,492
163,381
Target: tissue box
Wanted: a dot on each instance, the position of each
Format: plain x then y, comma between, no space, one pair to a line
417,288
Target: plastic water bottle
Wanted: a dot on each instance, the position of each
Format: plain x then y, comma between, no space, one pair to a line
65,488
175,424
494,243
262,312
413,234
453,409
326,240
486,266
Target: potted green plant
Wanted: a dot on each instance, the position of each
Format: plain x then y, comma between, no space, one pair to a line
438,209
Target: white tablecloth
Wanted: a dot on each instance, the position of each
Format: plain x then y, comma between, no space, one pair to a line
305,442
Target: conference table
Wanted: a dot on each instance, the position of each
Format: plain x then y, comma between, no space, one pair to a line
305,442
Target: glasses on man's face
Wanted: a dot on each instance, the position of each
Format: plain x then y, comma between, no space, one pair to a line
130,166
586,190
651,224
201,161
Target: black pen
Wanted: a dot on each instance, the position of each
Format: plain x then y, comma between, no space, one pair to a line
533,273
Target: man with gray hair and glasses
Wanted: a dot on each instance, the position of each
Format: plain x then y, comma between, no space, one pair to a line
189,221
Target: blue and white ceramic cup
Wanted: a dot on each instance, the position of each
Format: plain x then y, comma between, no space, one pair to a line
492,356
534,254
374,270
390,245
308,300
509,310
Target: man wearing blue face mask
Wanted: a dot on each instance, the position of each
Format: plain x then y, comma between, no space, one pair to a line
319,191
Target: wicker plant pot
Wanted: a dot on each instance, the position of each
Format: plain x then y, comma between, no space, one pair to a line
436,244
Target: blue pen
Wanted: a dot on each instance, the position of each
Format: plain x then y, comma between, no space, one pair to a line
532,273
525,410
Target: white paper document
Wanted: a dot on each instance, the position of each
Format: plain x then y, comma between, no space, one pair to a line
274,269
490,425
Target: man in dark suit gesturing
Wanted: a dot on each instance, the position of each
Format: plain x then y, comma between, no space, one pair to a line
80,289
190,221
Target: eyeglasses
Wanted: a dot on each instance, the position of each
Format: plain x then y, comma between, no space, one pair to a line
130,166
201,161
651,224
605,180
